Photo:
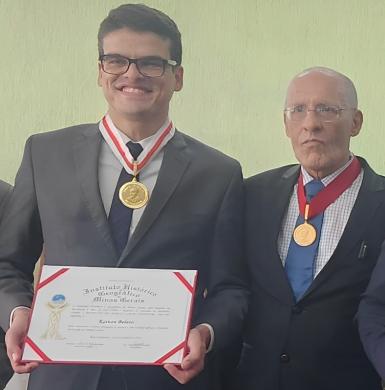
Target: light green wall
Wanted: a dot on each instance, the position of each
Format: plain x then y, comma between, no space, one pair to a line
238,57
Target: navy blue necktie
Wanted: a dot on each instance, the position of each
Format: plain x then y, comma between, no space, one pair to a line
299,263
120,215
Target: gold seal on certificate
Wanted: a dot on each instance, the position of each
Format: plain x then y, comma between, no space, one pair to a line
133,194
304,234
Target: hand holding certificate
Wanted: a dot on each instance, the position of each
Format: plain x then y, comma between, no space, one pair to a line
14,340
96,315
193,363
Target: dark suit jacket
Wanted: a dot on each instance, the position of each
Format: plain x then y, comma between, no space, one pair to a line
192,221
6,371
312,344
371,316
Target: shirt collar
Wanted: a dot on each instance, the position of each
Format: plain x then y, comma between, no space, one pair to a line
146,141
327,179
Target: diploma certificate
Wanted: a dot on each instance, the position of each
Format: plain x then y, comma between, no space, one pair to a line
93,315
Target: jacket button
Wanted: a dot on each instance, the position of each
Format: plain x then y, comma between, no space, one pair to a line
296,309
205,292
284,358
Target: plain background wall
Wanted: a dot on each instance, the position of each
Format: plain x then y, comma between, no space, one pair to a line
238,56
238,59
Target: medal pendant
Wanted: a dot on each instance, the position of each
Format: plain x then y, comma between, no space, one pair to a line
305,234
133,194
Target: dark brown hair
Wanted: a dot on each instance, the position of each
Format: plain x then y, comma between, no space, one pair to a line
139,17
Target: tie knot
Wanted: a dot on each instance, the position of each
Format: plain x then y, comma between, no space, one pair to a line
135,149
313,188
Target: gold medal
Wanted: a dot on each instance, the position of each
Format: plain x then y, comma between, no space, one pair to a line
133,194
305,234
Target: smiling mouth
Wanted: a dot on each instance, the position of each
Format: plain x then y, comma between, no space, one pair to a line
134,90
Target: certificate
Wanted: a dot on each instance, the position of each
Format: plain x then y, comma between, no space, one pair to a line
94,315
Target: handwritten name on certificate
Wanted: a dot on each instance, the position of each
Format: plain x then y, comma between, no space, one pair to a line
92,315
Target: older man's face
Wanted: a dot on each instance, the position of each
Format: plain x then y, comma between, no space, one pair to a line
321,146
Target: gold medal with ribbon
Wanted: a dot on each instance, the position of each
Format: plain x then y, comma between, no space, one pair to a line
134,194
305,234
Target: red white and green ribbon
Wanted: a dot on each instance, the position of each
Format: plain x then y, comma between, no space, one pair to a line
115,141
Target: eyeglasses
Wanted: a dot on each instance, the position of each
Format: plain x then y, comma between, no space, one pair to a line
324,112
147,66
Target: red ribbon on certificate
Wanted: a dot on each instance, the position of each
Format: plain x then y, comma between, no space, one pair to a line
184,281
38,351
162,359
190,287
51,278
28,340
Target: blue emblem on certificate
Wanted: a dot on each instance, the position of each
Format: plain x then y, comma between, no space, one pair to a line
55,306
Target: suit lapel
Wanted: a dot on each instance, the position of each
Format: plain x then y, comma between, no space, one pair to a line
86,151
175,161
275,278
364,209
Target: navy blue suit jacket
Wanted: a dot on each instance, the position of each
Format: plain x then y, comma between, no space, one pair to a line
312,344
371,315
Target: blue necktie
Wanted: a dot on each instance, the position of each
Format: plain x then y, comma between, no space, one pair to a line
120,215
299,263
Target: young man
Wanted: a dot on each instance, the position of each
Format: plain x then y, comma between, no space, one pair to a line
68,199
313,234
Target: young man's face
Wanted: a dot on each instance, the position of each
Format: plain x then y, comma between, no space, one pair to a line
132,96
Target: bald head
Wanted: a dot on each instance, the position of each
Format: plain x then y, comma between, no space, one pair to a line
343,84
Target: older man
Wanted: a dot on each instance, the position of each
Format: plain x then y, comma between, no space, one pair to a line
313,234
5,366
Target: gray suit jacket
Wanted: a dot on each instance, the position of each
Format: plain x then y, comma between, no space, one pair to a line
193,221
6,371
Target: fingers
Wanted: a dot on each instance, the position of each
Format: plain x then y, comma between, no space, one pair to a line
193,362
14,340
183,375
197,350
23,368
176,373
